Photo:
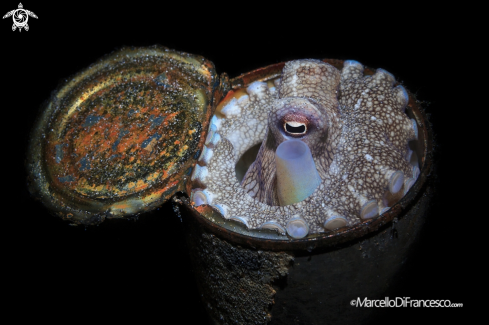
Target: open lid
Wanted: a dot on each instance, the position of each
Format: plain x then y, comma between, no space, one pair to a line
122,136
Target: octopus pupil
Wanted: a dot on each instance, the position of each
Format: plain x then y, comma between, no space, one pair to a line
295,129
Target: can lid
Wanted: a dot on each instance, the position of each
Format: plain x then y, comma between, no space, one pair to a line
121,136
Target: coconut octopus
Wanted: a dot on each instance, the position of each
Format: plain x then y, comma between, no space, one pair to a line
334,150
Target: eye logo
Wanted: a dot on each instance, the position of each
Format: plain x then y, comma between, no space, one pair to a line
20,17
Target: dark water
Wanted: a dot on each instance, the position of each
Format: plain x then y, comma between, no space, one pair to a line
140,269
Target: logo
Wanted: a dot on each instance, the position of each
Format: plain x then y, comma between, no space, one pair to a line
20,17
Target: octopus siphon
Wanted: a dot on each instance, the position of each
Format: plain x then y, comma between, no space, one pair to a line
334,150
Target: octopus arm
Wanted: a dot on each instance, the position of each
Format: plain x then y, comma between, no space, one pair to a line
245,121
370,165
229,197
259,180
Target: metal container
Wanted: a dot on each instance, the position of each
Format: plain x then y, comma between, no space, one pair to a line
89,160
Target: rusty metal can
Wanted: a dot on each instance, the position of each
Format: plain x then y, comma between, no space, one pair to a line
312,280
124,135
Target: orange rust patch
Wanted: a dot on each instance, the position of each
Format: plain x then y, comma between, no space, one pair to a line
157,194
230,95
152,176
149,147
121,205
182,150
200,208
141,185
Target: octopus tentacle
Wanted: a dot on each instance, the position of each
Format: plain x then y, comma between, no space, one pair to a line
246,132
351,70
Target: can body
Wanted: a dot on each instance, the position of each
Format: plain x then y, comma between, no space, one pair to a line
249,285
317,280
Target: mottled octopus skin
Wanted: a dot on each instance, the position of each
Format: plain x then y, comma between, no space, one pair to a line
311,96
358,134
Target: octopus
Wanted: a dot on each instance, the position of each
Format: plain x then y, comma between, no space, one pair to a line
334,150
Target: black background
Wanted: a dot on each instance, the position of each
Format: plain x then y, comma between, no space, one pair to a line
141,270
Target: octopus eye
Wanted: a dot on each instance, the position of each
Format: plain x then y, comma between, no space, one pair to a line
295,128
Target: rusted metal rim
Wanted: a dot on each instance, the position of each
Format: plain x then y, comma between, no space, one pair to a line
332,238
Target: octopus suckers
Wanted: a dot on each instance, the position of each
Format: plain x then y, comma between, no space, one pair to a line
297,227
243,220
335,222
273,225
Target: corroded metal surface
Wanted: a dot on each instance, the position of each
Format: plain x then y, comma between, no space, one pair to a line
236,282
120,137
